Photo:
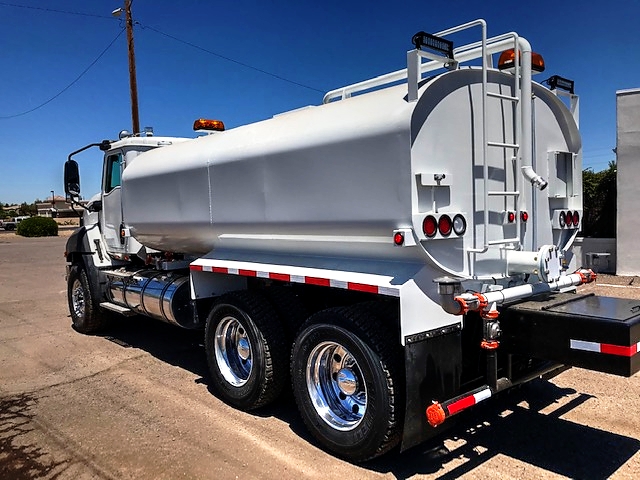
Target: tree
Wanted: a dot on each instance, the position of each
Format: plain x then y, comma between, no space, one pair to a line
28,209
600,202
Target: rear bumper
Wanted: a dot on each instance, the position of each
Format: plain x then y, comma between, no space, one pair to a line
587,331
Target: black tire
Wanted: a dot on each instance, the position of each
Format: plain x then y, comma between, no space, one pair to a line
347,381
246,350
86,314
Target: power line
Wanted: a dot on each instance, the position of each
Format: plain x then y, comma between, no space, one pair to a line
71,84
160,32
185,42
4,4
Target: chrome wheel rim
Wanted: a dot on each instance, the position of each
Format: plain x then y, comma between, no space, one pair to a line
336,386
77,299
234,354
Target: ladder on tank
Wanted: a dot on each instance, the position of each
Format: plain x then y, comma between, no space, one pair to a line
444,55
515,101
483,49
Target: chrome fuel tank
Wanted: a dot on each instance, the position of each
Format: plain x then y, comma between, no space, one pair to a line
160,295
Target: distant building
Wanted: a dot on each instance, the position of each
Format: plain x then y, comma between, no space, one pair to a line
11,207
58,208
628,165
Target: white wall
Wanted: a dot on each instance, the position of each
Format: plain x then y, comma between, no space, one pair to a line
628,165
596,253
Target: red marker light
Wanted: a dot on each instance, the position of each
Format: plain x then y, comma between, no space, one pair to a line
569,218
398,238
511,217
524,216
430,226
445,225
576,218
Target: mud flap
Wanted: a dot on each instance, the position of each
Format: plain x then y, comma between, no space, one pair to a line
587,331
433,363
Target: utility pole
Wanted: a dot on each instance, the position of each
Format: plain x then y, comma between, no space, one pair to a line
133,83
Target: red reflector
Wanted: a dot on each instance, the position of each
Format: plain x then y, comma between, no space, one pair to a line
568,217
576,218
511,217
435,414
445,225
398,238
524,216
430,226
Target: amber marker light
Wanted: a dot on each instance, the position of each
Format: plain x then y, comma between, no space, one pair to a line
206,124
507,58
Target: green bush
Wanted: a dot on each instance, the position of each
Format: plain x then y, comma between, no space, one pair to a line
38,227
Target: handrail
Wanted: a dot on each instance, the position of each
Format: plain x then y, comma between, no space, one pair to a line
462,54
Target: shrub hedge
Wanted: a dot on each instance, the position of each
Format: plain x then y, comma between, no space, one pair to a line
38,227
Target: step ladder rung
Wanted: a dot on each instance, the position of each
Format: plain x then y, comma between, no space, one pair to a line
503,145
504,194
503,97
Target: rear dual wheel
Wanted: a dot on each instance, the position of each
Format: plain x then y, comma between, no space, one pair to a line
246,350
346,381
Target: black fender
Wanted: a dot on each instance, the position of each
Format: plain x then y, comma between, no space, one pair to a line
78,251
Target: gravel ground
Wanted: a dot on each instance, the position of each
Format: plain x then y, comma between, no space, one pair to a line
135,404
614,286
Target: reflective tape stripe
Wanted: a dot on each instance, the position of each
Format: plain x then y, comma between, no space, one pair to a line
322,282
483,395
362,287
606,348
461,404
285,277
586,346
469,401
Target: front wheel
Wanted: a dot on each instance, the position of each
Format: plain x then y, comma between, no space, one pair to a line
86,314
346,382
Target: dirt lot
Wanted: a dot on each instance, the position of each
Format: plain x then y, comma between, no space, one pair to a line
135,404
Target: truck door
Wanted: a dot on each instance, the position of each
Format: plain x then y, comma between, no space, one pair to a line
112,202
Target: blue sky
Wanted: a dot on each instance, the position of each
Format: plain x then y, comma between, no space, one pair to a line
319,45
